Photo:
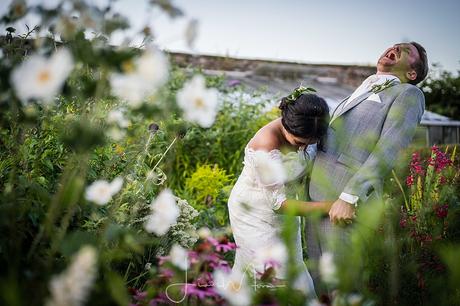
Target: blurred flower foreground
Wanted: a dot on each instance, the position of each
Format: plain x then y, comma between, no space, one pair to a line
116,165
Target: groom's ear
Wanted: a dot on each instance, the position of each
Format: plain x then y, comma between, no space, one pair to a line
411,75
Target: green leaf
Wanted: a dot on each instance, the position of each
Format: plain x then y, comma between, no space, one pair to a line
117,289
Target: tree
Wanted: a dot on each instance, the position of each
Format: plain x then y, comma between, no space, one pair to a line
442,92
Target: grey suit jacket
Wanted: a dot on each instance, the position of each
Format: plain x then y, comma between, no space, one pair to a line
363,142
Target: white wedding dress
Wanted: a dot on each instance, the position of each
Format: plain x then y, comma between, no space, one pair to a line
253,219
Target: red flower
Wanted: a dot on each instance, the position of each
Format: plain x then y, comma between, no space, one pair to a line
441,211
410,180
415,165
403,223
440,160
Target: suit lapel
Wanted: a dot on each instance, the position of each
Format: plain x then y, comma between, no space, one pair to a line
338,112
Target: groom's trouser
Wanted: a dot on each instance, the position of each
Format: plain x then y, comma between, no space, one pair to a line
321,235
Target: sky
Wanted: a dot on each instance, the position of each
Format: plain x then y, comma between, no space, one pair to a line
327,31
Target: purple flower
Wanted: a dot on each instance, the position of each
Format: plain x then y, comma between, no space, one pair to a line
232,83
222,246
201,291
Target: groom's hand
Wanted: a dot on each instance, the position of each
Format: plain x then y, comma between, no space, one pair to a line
341,212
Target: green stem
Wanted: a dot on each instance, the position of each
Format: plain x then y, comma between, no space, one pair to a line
164,154
401,188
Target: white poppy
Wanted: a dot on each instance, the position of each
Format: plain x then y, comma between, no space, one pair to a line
179,257
327,268
354,299
199,104
72,286
233,287
272,254
118,116
145,75
101,191
204,232
270,171
42,78
164,213
115,133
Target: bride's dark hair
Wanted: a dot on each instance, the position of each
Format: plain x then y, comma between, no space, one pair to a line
306,117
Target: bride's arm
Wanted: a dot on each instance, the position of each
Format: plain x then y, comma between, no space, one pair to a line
302,208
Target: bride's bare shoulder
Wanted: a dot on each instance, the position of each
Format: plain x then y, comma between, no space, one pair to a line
264,140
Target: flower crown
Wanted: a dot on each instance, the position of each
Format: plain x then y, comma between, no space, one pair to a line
298,92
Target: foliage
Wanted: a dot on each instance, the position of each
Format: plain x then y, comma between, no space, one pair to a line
399,249
442,92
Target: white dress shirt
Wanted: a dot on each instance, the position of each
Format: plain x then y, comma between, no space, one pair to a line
366,86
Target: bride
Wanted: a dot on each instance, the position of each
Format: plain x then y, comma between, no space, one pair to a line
255,202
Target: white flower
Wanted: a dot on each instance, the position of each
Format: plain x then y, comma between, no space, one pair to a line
269,171
204,232
48,4
101,192
71,287
41,78
116,133
143,77
118,116
153,67
327,268
232,286
165,213
199,104
354,299
179,257
273,254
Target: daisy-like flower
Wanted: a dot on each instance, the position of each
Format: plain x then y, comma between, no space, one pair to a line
354,299
71,287
101,191
179,257
274,255
164,215
233,287
327,268
204,232
117,116
270,171
142,77
42,78
199,104
48,5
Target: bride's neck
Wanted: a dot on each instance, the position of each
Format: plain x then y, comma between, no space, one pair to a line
281,134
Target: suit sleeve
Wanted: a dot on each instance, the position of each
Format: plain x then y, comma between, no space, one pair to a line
398,130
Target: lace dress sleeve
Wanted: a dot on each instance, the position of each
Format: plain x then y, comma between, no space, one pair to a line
271,170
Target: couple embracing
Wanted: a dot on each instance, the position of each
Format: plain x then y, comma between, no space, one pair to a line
351,148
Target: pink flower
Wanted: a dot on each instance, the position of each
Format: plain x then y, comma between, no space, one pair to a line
202,287
224,245
440,160
410,180
403,223
442,180
415,165
441,211
166,273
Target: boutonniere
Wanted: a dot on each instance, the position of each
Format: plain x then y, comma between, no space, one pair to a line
298,92
380,87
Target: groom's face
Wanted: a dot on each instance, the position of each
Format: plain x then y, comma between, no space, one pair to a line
399,60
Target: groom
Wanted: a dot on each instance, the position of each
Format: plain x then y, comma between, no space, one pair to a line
366,133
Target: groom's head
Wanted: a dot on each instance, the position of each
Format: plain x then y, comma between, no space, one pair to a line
407,61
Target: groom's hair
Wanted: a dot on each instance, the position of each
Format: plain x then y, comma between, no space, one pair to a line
306,117
420,66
